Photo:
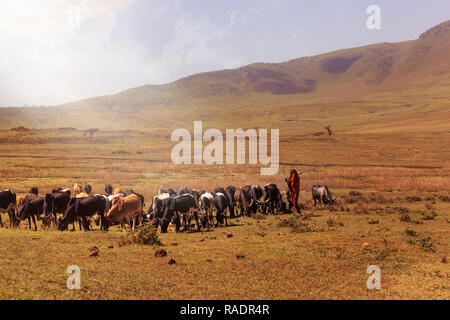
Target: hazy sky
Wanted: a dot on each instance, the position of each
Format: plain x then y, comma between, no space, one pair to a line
55,51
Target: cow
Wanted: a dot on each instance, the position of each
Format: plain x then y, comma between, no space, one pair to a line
88,189
108,189
34,190
8,204
125,209
229,193
184,190
117,190
33,207
242,199
141,197
54,203
83,208
221,203
206,207
108,204
256,195
272,199
170,191
156,210
322,194
181,208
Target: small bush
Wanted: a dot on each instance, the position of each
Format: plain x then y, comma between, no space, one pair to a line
444,198
354,193
146,234
426,244
120,152
296,225
411,233
373,221
413,199
429,216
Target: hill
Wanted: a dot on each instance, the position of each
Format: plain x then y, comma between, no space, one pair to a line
376,88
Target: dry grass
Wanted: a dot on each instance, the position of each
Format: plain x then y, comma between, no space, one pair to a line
320,256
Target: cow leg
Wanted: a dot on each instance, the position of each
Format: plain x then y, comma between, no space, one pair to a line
134,222
177,223
34,221
196,220
226,219
1,222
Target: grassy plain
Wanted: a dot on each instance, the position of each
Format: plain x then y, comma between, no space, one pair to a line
323,255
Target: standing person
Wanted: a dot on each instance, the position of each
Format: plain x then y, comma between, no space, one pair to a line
294,188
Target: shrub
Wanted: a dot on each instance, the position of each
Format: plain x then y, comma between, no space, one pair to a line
413,198
429,216
426,244
296,225
411,233
373,221
146,234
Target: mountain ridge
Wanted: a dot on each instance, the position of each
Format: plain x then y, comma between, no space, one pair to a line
411,68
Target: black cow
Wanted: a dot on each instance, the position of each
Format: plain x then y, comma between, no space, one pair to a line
271,198
8,204
170,191
33,207
221,203
229,193
256,195
206,207
34,190
88,189
54,203
242,199
108,189
181,208
83,208
322,194
184,190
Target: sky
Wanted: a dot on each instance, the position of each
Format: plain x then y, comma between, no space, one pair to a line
56,51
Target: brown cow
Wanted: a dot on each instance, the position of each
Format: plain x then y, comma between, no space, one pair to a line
125,209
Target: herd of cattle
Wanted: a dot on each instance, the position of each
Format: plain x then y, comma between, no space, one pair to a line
126,206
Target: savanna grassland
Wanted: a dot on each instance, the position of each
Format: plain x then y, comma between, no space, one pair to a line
393,210
387,161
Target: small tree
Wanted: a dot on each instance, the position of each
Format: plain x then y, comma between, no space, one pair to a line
328,128
91,132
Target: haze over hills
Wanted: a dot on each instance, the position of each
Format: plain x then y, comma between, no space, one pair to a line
376,88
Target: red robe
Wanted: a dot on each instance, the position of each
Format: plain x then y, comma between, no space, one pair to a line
294,186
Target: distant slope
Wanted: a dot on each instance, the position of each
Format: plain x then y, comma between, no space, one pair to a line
314,90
